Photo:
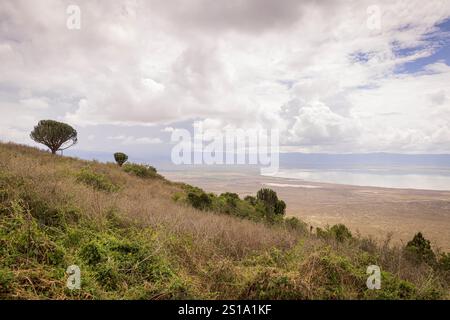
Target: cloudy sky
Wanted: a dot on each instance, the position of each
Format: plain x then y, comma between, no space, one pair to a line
332,76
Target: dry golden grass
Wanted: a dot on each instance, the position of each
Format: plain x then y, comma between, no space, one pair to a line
212,255
148,202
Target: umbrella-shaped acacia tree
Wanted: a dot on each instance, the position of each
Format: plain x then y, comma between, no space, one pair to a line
55,135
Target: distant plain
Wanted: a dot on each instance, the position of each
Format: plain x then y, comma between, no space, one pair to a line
371,211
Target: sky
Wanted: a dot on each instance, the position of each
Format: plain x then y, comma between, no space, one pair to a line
331,76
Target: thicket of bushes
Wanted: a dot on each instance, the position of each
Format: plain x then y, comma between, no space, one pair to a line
265,207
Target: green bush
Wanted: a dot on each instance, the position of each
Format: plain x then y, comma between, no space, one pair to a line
27,239
296,224
270,200
231,198
340,232
228,203
141,170
199,201
392,288
108,276
321,233
96,180
251,200
444,261
92,253
419,250
338,277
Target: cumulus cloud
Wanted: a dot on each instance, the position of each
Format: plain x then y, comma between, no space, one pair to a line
314,70
316,124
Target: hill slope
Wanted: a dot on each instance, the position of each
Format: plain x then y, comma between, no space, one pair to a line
132,240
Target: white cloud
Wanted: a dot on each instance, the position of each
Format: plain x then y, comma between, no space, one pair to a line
317,124
130,140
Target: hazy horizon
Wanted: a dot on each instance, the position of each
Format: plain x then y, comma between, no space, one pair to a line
330,76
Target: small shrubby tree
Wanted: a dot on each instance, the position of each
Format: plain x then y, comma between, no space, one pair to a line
55,135
120,158
270,200
340,232
419,249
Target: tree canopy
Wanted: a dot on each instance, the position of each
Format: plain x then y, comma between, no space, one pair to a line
120,158
55,135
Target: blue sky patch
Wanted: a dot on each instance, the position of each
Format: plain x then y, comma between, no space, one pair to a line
439,41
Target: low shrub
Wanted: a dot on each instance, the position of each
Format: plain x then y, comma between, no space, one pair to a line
199,201
251,200
96,180
92,253
296,224
141,170
444,261
271,284
23,238
108,276
392,288
338,232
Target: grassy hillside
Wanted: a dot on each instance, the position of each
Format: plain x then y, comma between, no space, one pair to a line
136,235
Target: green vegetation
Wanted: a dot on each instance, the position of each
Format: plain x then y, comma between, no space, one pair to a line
131,240
339,232
120,158
54,135
263,208
96,180
141,170
294,223
271,203
419,249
